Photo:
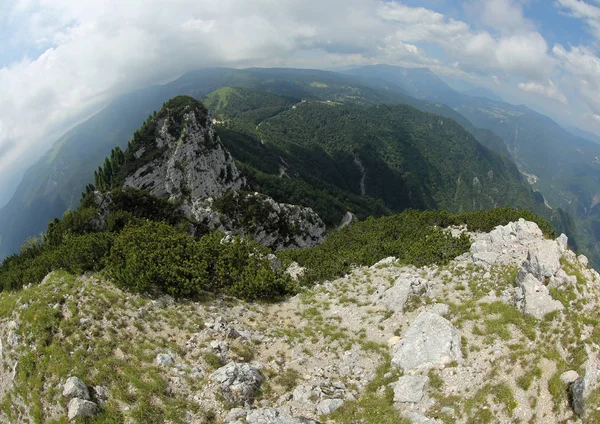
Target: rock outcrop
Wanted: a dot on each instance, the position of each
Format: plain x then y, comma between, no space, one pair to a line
239,382
430,340
192,162
275,225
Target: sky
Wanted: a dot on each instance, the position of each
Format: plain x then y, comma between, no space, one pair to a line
63,60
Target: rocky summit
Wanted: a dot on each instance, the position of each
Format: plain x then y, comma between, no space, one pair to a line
506,332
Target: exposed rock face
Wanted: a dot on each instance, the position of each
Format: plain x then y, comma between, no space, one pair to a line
196,164
533,298
276,225
239,382
430,340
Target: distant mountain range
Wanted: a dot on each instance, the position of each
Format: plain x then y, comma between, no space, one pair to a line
340,102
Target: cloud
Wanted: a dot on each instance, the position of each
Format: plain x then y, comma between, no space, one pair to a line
524,53
583,67
6,147
505,16
77,56
549,90
582,10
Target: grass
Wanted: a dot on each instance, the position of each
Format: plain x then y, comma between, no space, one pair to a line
62,347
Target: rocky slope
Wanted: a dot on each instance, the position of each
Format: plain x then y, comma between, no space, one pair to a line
504,333
177,155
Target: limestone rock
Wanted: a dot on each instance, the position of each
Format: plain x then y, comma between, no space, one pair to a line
410,388
430,340
81,408
328,406
278,226
563,242
239,382
275,416
533,298
543,260
569,377
75,388
581,388
165,359
196,163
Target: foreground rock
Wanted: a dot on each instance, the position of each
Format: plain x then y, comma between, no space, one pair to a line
430,340
533,298
239,382
581,389
80,408
75,388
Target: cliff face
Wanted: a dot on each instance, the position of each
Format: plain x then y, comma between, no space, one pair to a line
177,155
506,332
193,165
275,225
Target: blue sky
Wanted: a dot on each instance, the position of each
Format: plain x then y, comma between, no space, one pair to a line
63,60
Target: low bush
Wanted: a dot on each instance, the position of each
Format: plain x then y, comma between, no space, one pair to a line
156,258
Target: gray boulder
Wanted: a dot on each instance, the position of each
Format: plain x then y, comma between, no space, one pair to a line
165,359
581,388
75,388
81,408
239,382
430,340
410,388
543,260
563,242
533,298
328,406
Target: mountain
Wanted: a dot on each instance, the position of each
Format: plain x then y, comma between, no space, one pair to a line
174,294
54,184
483,92
564,168
387,152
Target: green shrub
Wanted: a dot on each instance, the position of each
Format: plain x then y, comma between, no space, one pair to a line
156,258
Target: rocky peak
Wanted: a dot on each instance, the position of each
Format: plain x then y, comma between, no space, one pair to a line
187,159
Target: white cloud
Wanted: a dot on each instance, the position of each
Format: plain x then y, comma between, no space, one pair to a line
581,10
505,16
549,90
524,53
94,51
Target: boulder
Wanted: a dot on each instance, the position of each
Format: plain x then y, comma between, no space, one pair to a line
100,394
430,340
581,388
569,377
563,242
81,408
410,388
328,406
396,296
239,381
533,298
165,359
543,260
75,388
